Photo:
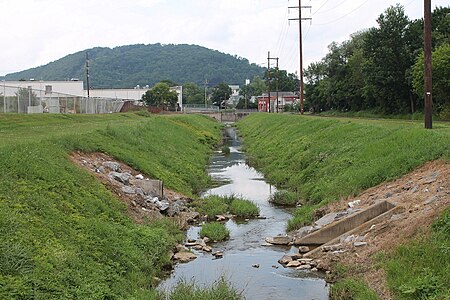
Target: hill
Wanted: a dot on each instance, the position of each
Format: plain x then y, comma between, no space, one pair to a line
128,66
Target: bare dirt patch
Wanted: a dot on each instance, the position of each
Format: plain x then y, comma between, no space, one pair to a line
142,205
421,196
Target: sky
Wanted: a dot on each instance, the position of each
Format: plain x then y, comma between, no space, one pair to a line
36,32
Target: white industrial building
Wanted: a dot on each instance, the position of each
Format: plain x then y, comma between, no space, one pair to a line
50,95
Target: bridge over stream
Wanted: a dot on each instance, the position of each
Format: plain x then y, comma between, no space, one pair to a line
220,115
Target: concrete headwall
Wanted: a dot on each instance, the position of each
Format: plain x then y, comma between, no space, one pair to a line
340,227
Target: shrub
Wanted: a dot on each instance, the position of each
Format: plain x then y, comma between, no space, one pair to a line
217,291
211,206
226,150
284,198
351,289
215,231
244,208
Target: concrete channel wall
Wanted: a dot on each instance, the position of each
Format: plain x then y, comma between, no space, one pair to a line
340,227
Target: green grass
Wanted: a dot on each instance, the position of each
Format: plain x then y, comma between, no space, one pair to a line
215,231
326,159
214,205
421,269
351,289
220,290
225,150
243,208
63,234
284,198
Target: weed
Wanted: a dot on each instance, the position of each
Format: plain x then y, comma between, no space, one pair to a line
284,198
64,235
420,269
325,159
219,290
351,289
243,208
225,150
215,231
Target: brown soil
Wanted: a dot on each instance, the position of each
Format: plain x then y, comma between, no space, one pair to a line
422,195
138,212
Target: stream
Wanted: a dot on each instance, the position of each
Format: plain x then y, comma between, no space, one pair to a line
246,245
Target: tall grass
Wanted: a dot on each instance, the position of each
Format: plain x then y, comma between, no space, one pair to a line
219,290
214,205
421,268
63,234
326,159
215,231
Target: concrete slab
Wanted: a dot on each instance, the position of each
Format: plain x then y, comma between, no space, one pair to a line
344,225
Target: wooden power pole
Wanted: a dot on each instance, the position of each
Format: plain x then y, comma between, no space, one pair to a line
300,19
268,79
428,68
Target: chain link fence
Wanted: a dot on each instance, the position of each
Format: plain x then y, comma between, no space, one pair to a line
28,100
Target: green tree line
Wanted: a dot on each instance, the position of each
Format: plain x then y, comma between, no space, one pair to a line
381,69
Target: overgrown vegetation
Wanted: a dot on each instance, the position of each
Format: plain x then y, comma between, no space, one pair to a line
351,289
421,268
214,205
218,291
284,198
381,68
215,231
64,235
325,159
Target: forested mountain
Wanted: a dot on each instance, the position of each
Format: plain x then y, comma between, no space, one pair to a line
128,66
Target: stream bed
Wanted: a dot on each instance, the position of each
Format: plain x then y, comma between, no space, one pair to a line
246,247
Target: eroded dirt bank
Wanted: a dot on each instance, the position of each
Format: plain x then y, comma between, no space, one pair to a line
144,202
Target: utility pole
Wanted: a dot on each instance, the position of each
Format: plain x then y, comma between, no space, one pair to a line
300,19
268,82
278,76
206,86
87,79
268,79
428,87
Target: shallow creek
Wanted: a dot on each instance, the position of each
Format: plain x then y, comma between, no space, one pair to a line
245,248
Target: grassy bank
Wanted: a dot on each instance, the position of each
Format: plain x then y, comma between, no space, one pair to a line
421,268
63,235
325,159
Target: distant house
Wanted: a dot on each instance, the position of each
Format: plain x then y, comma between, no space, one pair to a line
284,98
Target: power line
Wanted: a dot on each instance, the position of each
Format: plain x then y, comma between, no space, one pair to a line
300,19
340,18
319,8
330,9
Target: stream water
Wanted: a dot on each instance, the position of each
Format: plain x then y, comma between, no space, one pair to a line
246,246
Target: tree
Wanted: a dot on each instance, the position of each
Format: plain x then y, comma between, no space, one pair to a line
441,74
26,97
287,82
221,93
388,59
193,94
160,95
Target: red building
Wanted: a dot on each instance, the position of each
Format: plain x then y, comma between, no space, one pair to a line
284,98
